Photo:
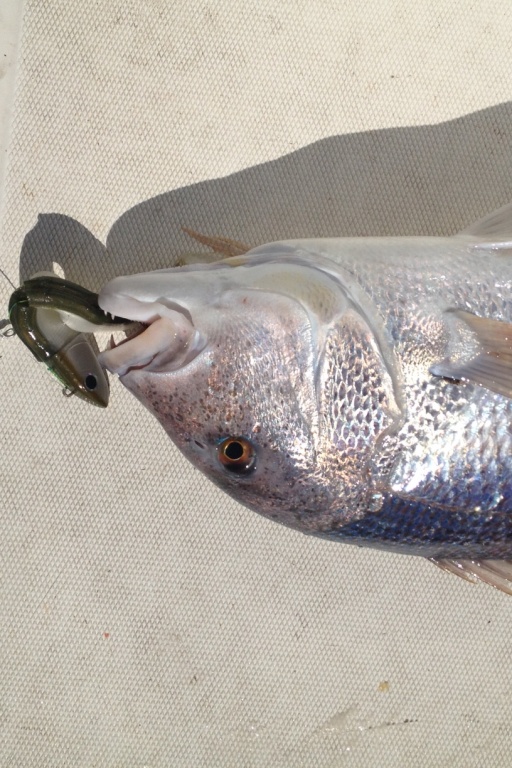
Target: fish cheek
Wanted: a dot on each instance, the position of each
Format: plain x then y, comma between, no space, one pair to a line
193,408
197,422
254,380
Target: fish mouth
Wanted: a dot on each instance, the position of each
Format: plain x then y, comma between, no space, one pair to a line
163,338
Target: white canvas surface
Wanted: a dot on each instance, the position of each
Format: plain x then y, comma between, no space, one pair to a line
146,619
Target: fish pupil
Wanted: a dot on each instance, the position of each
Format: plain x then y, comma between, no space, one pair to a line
234,450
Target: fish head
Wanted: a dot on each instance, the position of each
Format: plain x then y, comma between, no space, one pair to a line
238,361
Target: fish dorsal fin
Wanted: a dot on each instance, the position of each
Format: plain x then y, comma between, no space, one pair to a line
494,231
485,358
223,245
497,573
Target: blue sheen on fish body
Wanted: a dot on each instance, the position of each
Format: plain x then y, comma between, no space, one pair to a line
422,529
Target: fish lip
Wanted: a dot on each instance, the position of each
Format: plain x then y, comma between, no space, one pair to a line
112,344
134,332
171,341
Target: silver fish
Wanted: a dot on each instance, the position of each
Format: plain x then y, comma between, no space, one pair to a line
354,389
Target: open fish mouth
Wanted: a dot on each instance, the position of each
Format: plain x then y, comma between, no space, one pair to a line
162,341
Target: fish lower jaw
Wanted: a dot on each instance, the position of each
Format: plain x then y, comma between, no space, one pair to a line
164,345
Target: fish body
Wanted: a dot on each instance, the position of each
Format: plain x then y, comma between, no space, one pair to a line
355,389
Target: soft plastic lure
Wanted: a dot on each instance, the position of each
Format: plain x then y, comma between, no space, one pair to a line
53,318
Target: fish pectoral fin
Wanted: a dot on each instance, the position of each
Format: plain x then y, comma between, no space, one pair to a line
222,245
496,573
483,356
494,231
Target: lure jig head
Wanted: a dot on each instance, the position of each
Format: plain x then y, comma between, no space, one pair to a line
36,311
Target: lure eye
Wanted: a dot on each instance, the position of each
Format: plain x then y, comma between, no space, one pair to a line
237,455
91,382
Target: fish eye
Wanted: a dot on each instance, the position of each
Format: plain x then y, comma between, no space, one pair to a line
237,454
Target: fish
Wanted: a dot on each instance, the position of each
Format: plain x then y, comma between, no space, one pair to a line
355,389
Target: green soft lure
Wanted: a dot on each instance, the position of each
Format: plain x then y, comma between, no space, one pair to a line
36,311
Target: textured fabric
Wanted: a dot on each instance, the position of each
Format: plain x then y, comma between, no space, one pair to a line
147,619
